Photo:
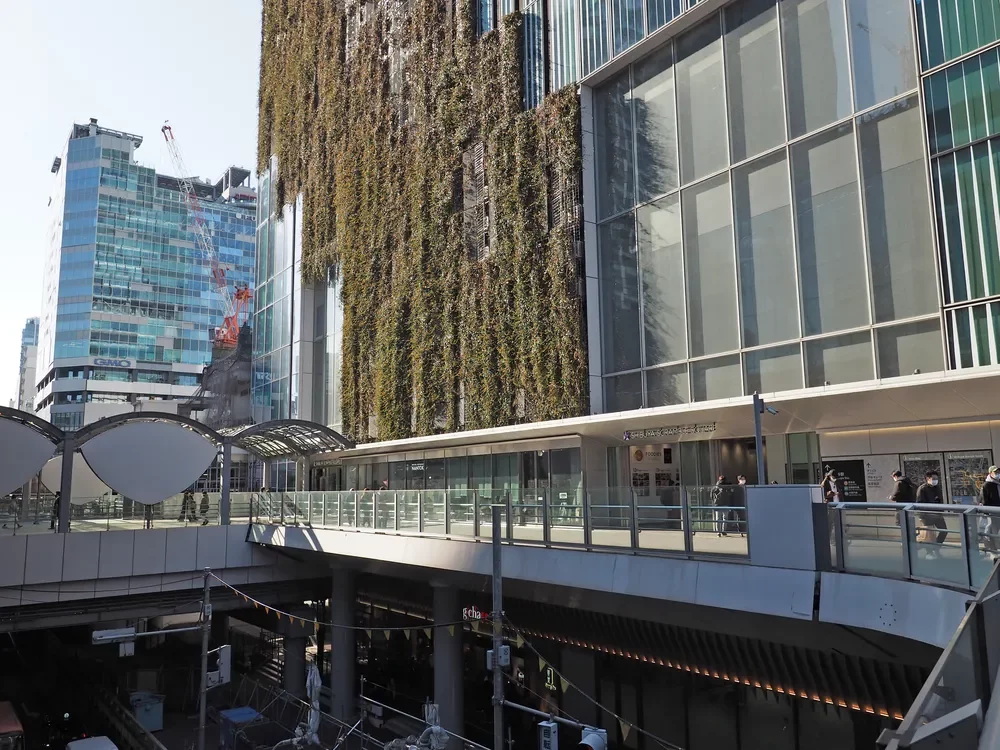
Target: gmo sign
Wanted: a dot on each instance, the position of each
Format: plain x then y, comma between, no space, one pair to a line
99,362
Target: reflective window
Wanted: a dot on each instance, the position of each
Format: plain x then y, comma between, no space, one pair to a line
831,257
613,125
881,49
655,124
816,66
562,42
666,386
626,24
595,34
973,333
659,12
900,244
753,78
963,102
952,28
619,294
661,259
840,359
770,370
766,251
909,349
701,102
623,392
716,378
534,54
710,267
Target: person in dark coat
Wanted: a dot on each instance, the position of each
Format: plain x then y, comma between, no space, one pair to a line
930,493
833,487
991,499
204,507
903,490
721,497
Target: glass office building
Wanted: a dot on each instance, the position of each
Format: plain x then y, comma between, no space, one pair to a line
129,305
26,366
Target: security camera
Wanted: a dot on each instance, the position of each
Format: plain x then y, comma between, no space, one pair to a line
771,410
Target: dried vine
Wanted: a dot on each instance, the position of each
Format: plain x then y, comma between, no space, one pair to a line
369,120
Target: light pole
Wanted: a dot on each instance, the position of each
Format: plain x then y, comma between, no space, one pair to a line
758,408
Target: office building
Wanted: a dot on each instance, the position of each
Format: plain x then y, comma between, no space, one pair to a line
26,367
129,306
792,197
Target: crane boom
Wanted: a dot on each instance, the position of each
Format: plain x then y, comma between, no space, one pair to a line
233,304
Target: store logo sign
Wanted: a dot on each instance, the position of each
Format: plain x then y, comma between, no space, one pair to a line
100,362
474,615
675,430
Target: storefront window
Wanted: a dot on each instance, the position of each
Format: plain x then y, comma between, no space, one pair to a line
967,471
458,473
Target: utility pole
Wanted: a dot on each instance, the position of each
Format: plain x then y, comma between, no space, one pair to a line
206,629
497,618
758,409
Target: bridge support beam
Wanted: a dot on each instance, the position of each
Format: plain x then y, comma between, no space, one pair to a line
66,485
295,666
448,685
227,465
343,646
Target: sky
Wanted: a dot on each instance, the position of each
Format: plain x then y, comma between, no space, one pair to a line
131,65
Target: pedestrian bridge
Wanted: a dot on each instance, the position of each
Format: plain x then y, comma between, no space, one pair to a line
785,553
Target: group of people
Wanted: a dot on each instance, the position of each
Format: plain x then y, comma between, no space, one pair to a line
929,493
730,503
189,512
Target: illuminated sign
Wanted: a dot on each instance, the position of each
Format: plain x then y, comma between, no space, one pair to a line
675,430
473,614
100,362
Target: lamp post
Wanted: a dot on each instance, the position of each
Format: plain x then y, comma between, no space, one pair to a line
759,407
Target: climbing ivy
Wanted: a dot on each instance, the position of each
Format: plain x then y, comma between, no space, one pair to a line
369,108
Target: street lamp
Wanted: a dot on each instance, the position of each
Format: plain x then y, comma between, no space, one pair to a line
758,408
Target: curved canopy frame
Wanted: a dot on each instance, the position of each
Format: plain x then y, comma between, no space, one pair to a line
94,429
39,425
282,438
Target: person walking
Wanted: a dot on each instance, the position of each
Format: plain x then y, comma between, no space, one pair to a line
147,516
990,498
740,502
903,490
55,511
721,495
187,507
204,507
929,493
833,487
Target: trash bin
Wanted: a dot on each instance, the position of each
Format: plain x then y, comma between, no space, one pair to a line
231,721
148,710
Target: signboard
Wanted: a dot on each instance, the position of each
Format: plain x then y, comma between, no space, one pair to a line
548,735
852,472
105,362
471,614
877,474
550,678
672,431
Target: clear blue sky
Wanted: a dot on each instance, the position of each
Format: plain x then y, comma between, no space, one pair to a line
131,65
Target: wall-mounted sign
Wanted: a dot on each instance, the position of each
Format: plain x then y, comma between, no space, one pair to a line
550,678
104,362
672,431
474,615
852,473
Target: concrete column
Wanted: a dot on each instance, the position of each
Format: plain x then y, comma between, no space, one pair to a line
448,687
343,646
66,484
227,463
295,665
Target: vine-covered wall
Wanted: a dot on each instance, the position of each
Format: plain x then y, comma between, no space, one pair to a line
372,118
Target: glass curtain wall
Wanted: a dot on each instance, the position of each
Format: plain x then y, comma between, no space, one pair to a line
763,212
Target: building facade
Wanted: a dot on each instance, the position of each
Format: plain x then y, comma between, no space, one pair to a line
129,306
26,368
792,197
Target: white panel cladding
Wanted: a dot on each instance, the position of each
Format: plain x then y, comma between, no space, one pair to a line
12,557
149,461
182,550
212,547
149,555
81,555
116,554
23,452
86,485
43,559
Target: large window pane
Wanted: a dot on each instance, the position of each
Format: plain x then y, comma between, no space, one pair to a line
655,124
816,66
753,78
613,135
840,359
952,28
897,218
770,370
963,102
659,12
709,266
619,294
701,104
716,378
666,386
831,257
661,260
766,251
562,42
910,348
534,54
882,50
623,392
595,34
626,24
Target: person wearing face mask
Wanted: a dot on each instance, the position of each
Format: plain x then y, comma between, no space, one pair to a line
991,499
930,493
740,503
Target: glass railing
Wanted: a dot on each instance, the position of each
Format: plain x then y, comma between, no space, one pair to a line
957,695
954,545
674,519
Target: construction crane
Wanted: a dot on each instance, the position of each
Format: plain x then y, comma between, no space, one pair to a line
235,300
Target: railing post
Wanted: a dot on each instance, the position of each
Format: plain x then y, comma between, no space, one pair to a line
420,511
686,521
510,516
546,521
447,512
585,503
965,541
634,520
324,508
904,538
395,510
309,509
475,512
838,536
